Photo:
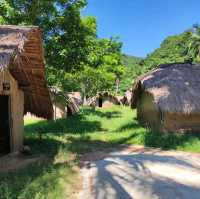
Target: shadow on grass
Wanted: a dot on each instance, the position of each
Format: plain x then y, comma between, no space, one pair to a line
85,144
38,178
129,126
76,124
170,140
97,112
76,127
164,141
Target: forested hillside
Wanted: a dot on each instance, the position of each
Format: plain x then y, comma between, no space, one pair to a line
130,60
132,69
183,47
172,49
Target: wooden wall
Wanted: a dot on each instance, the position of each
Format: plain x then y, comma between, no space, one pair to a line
16,109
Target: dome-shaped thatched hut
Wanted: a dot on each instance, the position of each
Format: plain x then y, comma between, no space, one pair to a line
104,100
127,97
22,83
168,98
64,105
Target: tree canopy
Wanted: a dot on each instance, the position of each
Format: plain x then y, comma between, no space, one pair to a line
76,58
183,47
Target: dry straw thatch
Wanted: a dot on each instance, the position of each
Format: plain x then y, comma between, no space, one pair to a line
77,97
175,88
72,107
21,52
65,105
105,97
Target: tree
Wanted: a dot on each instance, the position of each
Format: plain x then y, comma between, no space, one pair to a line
132,70
92,81
100,68
194,45
106,54
72,48
61,23
172,50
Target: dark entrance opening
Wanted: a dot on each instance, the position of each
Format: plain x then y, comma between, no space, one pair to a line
69,111
4,125
100,102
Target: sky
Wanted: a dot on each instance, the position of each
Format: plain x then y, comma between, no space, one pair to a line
143,24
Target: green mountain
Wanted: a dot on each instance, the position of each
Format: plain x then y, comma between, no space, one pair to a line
130,60
172,50
132,71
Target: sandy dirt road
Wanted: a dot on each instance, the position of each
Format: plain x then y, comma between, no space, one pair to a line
134,173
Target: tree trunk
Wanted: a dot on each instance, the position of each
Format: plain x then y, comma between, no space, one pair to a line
117,85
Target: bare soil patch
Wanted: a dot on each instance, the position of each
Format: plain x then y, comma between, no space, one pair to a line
16,161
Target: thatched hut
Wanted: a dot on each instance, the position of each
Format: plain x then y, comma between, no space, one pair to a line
103,100
59,110
22,83
77,97
63,105
121,99
127,97
168,98
72,107
64,110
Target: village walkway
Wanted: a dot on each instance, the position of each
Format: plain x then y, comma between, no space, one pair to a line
142,174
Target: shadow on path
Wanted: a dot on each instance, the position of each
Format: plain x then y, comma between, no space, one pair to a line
127,176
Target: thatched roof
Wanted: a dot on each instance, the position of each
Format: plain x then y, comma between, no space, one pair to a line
68,100
127,98
175,88
104,95
72,106
21,52
77,97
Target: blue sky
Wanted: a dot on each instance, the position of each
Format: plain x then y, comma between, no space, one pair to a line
143,24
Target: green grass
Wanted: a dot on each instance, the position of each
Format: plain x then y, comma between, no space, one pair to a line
63,142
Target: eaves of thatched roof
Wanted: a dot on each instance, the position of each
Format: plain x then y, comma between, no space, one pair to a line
175,88
21,52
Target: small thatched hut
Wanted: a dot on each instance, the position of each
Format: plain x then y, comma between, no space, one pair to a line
127,97
22,83
72,107
168,98
103,100
64,105
77,97
64,110
59,110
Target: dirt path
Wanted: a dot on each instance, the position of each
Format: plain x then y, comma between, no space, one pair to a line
142,173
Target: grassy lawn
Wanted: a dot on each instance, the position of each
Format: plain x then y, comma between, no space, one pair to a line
63,142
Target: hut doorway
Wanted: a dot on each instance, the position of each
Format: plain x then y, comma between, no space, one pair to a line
100,102
69,111
4,125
